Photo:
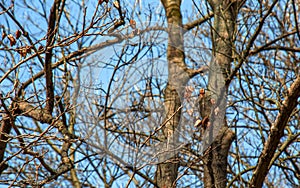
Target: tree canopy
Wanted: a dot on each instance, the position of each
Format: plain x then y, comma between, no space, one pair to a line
132,93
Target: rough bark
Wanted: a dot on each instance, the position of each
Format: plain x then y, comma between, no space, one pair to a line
215,160
4,131
7,122
167,171
219,136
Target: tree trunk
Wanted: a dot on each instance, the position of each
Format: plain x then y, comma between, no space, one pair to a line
219,136
167,171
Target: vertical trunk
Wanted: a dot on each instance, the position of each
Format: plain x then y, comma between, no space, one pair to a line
166,173
5,129
219,136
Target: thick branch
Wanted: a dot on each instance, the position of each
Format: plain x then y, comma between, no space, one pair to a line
49,53
41,115
4,131
167,171
277,131
198,22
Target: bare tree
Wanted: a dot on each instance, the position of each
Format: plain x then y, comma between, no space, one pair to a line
150,94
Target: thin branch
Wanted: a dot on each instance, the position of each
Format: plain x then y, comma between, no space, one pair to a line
246,52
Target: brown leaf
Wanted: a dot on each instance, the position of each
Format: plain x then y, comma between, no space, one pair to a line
3,35
11,39
23,52
212,101
101,1
116,4
18,34
132,24
28,49
198,123
205,122
202,93
40,48
217,110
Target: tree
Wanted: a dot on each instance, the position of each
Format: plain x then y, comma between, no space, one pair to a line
107,93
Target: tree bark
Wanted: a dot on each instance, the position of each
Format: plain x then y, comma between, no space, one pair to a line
219,136
167,171
5,129
51,32
215,158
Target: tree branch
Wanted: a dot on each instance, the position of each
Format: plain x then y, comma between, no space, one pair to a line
246,52
48,64
276,132
198,22
41,115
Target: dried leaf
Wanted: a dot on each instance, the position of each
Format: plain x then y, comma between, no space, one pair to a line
205,122
212,101
18,34
101,1
3,35
12,40
217,110
28,49
132,24
23,52
116,4
197,123
40,48
202,93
